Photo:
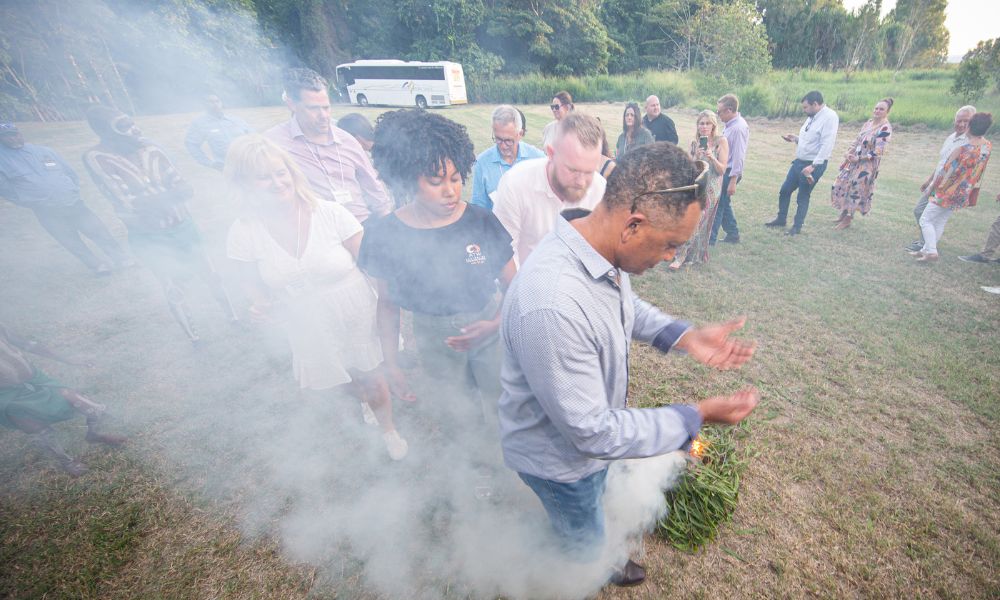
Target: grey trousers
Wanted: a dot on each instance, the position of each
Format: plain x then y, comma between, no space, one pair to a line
992,248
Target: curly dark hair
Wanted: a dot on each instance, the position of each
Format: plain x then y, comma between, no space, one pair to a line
410,143
656,166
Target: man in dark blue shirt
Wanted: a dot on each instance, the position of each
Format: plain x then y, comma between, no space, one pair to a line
36,177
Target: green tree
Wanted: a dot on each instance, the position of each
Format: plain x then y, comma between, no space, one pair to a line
916,35
733,41
562,37
806,33
980,66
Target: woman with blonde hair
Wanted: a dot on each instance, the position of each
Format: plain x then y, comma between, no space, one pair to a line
297,261
855,184
711,147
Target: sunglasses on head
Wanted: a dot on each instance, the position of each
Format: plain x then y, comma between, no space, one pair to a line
699,186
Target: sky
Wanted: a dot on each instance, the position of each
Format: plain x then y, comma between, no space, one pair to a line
968,22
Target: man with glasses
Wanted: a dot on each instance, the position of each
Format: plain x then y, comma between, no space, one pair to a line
567,323
814,144
531,195
337,167
737,133
508,150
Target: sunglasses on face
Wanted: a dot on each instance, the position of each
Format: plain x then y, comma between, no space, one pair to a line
699,186
555,107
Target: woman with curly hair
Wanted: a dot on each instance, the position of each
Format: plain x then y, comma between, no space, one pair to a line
296,259
855,184
440,259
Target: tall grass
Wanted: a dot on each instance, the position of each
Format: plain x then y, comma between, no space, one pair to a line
921,96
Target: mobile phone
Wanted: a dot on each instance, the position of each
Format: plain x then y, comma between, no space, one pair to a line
703,142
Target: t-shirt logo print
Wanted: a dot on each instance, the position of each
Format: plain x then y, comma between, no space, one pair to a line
474,255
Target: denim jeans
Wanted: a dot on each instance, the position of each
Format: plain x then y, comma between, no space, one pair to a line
575,511
724,216
795,180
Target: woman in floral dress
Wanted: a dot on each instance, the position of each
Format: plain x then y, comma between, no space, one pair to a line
716,155
855,184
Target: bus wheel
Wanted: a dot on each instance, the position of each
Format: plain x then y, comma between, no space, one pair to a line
362,100
421,102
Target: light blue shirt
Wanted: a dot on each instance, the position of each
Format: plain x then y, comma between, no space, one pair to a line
36,177
817,136
567,322
219,132
490,167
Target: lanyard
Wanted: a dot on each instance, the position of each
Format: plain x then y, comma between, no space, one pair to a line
326,173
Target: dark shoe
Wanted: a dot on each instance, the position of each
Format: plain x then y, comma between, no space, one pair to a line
976,258
731,239
629,575
914,246
775,223
793,231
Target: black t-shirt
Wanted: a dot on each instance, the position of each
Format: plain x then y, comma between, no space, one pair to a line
662,127
443,271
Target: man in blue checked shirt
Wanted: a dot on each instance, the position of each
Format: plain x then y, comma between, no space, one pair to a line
567,322
507,150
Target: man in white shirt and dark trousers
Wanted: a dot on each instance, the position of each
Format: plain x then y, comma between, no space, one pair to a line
814,144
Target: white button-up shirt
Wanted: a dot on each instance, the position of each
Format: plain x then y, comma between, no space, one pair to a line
817,136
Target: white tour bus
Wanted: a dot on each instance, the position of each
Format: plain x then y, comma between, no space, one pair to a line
399,83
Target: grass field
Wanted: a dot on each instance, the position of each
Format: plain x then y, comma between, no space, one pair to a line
922,96
877,457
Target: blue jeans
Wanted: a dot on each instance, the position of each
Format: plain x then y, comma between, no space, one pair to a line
724,216
796,180
575,512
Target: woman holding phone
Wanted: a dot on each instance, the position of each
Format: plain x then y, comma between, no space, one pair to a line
712,147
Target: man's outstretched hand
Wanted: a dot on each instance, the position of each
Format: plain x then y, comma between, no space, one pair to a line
729,410
712,346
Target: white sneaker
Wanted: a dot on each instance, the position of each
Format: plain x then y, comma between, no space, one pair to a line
395,444
368,415
992,290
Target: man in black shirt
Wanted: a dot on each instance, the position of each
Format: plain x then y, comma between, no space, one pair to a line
658,123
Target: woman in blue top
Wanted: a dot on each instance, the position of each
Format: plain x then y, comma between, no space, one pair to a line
440,259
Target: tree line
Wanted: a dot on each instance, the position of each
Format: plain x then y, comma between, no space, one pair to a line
57,56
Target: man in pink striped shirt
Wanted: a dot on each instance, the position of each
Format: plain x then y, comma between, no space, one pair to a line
337,167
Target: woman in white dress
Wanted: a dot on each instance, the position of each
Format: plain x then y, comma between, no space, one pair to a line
297,263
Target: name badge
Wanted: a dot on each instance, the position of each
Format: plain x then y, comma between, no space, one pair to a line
341,196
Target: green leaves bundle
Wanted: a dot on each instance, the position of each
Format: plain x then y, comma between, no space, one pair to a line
706,495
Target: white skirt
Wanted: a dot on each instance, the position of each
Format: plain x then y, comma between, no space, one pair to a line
332,330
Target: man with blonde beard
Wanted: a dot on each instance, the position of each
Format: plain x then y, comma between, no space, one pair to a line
533,193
